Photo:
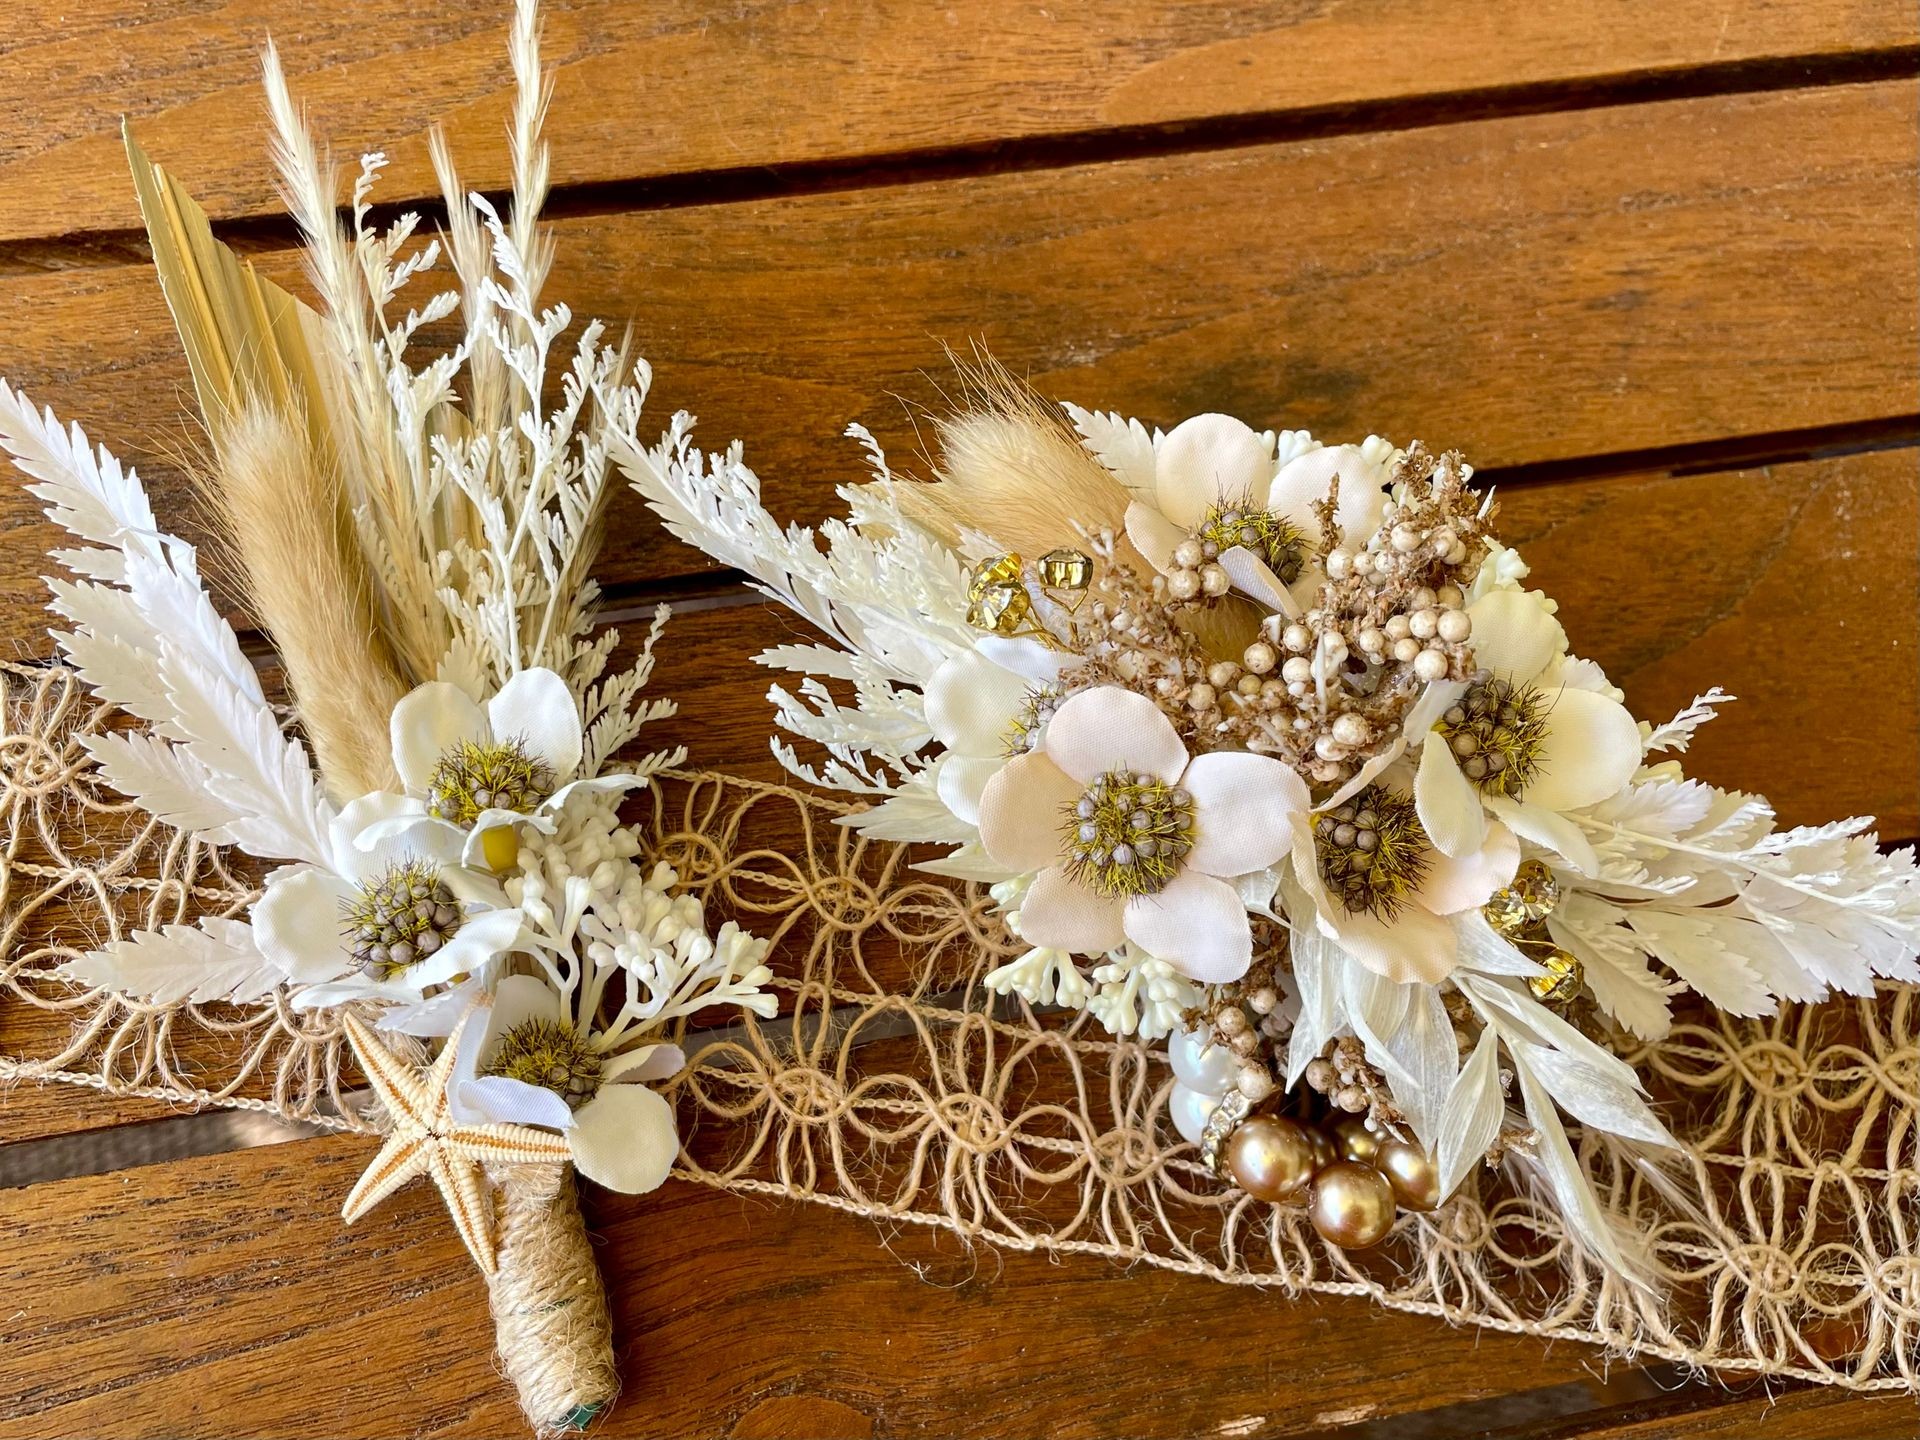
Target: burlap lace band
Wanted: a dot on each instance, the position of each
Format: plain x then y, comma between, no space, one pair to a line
893,1085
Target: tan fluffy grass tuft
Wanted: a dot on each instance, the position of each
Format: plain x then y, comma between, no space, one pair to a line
307,579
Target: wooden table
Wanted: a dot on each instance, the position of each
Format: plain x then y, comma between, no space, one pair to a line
1650,264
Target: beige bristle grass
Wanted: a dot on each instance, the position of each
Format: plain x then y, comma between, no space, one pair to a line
1010,466
306,577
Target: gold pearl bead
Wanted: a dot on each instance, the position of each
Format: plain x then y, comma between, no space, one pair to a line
1270,1158
1356,1142
1325,1152
1412,1174
1351,1206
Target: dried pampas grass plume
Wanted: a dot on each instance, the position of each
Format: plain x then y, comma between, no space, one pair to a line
285,517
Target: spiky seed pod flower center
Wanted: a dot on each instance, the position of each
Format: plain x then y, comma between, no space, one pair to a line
1372,851
1495,731
399,918
472,777
1128,835
1036,709
552,1055
1272,537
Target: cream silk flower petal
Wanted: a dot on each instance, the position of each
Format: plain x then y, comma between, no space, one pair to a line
1205,459
1197,925
1415,945
1243,811
1514,634
429,722
1549,830
1029,659
970,702
1153,535
1590,751
1252,577
1466,882
1061,914
1449,806
1023,811
499,1100
1303,482
536,708
961,781
297,924
649,1062
1108,728
625,1138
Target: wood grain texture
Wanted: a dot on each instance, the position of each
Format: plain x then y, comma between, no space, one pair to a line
237,1301
1526,290
1807,1414
669,87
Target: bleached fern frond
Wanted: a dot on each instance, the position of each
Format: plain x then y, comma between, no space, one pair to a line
150,640
216,960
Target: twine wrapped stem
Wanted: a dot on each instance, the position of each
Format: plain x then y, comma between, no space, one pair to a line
550,1315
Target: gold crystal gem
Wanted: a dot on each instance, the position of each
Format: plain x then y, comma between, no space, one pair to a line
1066,570
1526,902
1562,981
996,600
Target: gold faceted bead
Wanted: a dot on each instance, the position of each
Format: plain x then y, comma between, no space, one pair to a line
1066,570
1526,902
1270,1158
996,600
1412,1174
1562,978
1352,1205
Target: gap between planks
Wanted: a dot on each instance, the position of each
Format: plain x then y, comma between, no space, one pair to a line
83,249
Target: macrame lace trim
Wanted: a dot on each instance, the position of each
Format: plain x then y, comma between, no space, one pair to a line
895,1086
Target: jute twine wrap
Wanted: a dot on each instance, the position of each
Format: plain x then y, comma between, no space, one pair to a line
893,1086
549,1306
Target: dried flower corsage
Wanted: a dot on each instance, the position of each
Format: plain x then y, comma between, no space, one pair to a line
444,864
1265,749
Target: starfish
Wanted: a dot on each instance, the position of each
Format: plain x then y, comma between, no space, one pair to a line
426,1140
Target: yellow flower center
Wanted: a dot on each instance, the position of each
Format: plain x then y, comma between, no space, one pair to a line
1128,835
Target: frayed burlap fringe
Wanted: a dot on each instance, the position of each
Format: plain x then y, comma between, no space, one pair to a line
894,1086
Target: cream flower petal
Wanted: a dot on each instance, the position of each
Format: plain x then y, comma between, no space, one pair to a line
1023,810
1033,662
1414,945
297,924
1514,634
1197,925
1243,811
960,781
649,1062
499,1100
479,938
536,708
1467,882
970,702
1060,914
426,724
625,1138
434,1017
1550,831
1153,535
1449,805
355,989
1209,458
1304,482
1251,576
377,816
1108,728
1590,751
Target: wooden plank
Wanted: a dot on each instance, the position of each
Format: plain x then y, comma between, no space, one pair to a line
222,1294
670,87
1801,1414
1792,587
1532,289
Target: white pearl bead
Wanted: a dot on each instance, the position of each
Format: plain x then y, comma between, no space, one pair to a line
1296,637
1201,697
1188,1109
1351,729
1430,665
1455,626
1297,670
1398,628
1215,581
1424,623
1373,640
1199,1064
1259,657
1329,749
1188,555
1184,584
1405,538
1449,596
1338,562
1333,649
1406,648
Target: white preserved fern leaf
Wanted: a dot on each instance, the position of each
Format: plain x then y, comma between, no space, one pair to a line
216,960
